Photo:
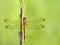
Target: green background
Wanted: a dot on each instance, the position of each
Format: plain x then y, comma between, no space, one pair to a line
34,11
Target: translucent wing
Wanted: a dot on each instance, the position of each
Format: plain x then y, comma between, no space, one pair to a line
35,22
29,23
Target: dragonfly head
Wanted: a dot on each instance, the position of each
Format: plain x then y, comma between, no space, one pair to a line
24,21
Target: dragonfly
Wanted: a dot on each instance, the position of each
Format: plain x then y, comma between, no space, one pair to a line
15,24
29,23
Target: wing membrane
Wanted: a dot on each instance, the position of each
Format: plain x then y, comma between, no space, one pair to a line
35,22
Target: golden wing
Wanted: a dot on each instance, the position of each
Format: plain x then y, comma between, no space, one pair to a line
35,22
28,22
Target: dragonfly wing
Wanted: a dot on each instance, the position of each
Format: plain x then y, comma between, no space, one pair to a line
35,22
12,24
9,21
16,23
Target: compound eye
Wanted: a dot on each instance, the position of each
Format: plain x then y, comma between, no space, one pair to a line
24,21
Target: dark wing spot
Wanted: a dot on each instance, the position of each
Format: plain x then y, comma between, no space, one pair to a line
43,26
6,27
43,19
4,20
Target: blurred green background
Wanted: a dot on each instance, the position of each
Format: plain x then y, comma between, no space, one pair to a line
34,11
